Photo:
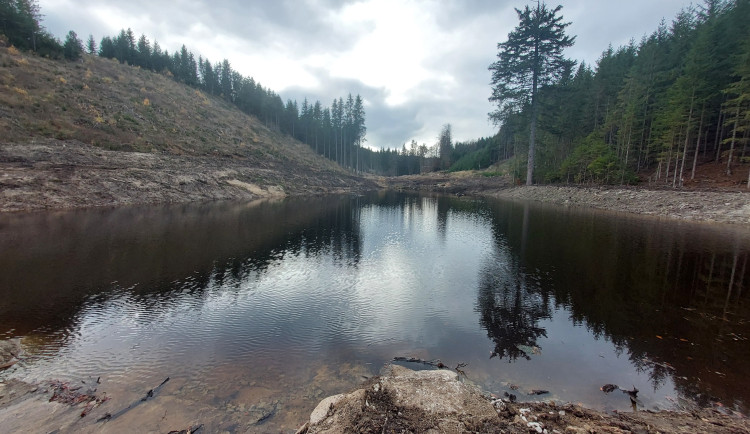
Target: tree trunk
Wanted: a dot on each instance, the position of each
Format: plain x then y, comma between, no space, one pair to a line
669,158
627,153
643,132
532,139
734,137
532,133
697,144
687,137
717,139
534,106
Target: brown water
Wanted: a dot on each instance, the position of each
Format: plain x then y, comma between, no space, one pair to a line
258,309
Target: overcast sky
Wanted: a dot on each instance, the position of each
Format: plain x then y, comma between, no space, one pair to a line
417,64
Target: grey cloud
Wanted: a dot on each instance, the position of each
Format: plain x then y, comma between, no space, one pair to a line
299,26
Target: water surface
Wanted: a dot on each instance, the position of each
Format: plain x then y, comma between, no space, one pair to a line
269,307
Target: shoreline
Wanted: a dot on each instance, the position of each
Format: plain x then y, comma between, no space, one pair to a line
404,400
58,175
710,206
398,400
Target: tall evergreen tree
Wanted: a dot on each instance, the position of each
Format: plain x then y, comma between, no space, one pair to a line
225,80
445,146
358,118
531,57
91,45
144,52
73,47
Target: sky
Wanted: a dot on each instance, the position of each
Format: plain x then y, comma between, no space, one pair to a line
417,64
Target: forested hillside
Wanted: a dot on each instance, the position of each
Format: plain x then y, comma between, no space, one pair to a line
656,108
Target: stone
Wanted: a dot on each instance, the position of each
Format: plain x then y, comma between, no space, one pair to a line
428,400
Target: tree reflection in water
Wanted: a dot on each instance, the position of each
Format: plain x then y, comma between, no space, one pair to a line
510,309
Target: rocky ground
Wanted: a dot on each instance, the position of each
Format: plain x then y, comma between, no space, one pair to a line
54,174
400,400
436,401
729,205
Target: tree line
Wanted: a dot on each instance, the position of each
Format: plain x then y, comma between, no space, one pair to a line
20,20
678,97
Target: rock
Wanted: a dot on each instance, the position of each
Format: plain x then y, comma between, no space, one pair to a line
9,351
336,412
321,411
406,400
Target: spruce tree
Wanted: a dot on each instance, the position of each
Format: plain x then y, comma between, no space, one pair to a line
91,45
73,47
531,57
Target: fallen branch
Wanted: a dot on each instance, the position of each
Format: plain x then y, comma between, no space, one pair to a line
150,394
436,363
459,370
65,394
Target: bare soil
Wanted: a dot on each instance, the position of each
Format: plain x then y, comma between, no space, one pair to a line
51,173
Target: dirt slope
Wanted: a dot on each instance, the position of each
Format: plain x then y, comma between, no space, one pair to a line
95,132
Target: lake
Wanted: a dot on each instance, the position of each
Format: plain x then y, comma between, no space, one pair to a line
258,311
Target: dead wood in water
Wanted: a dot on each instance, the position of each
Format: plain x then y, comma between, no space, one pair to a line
434,363
66,394
150,394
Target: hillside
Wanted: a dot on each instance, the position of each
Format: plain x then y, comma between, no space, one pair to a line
98,133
